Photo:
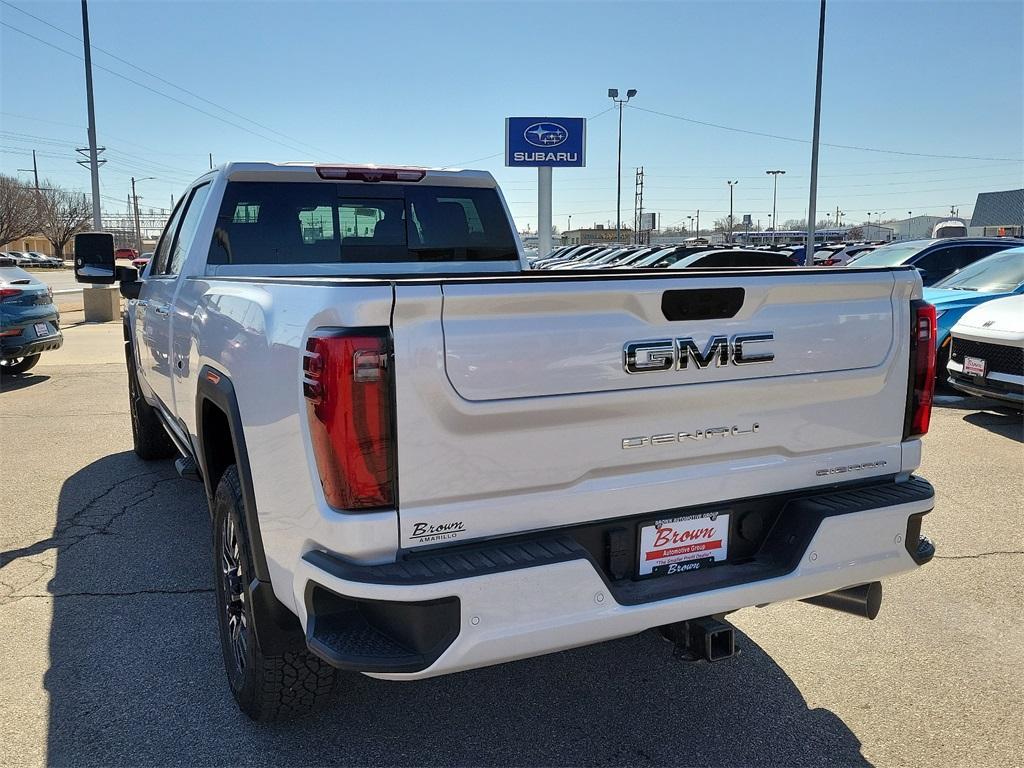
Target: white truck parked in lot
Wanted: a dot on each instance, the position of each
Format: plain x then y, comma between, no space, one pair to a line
421,457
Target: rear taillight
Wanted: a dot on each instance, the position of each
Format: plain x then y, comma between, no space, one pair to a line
347,385
921,387
829,262
370,174
7,293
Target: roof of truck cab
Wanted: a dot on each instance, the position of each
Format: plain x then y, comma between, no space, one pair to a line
307,171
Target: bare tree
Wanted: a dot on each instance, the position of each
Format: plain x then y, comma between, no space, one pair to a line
62,215
724,224
18,217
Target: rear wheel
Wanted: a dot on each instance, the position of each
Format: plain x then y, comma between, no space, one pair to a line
149,438
266,686
19,364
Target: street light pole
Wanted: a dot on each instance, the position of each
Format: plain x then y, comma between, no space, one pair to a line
775,198
613,94
731,185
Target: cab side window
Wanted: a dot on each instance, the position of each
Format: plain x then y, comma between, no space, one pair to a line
187,232
163,248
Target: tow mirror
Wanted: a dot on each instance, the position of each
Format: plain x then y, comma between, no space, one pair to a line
130,286
94,257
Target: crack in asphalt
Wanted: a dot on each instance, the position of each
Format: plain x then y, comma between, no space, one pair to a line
62,541
980,555
136,593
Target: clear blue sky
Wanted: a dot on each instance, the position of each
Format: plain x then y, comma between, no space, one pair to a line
431,83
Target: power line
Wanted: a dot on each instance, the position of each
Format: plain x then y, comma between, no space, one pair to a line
808,141
155,76
153,90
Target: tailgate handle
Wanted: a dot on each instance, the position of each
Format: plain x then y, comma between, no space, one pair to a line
701,303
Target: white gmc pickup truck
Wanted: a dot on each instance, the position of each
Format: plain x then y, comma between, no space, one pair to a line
420,457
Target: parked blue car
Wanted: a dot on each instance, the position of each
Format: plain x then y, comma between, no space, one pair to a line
29,321
995,276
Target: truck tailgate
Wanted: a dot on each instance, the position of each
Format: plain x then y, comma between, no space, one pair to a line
516,411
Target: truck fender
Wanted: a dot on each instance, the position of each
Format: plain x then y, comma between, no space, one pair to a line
277,628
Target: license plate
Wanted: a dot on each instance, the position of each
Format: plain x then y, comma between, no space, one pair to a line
974,365
682,544
42,329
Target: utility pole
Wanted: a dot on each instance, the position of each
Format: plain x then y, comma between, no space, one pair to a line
138,229
811,206
698,222
94,161
135,205
638,206
731,185
211,161
775,198
613,94
35,171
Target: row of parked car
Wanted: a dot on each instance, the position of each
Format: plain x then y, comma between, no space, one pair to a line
32,259
959,274
935,259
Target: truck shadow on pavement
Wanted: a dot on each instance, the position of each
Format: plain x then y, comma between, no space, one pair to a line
136,676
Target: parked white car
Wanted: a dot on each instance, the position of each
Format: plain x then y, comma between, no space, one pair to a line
987,352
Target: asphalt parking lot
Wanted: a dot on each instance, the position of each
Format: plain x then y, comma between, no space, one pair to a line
109,652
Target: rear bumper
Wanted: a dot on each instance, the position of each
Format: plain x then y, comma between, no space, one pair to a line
15,347
470,608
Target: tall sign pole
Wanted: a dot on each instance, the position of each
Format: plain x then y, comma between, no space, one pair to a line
811,211
94,165
544,210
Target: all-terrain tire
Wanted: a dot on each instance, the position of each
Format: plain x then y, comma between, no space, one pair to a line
149,438
266,687
19,365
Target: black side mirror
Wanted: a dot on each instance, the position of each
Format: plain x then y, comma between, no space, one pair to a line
130,285
94,257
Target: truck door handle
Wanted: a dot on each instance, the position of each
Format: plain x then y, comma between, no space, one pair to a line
161,309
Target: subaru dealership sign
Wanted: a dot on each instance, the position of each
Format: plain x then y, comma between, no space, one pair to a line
555,142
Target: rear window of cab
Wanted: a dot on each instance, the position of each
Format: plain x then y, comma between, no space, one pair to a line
322,223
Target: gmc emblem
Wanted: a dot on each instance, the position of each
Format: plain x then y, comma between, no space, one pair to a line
676,354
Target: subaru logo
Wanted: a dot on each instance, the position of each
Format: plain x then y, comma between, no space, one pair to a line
545,134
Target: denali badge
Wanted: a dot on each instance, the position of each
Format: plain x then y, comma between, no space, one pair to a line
849,468
708,433
668,354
